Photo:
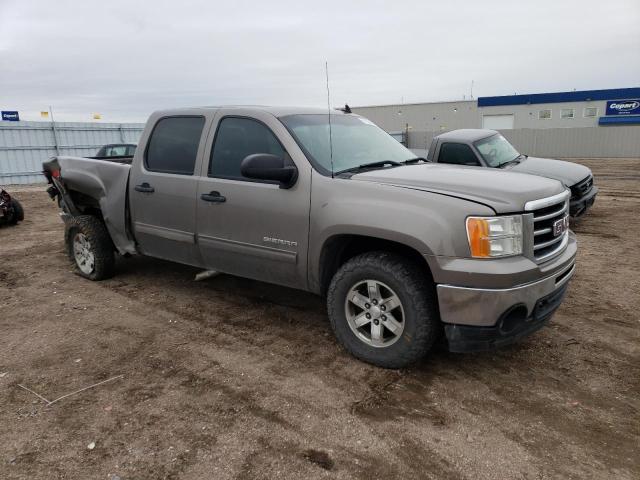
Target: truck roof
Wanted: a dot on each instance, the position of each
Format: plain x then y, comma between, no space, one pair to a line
467,134
274,110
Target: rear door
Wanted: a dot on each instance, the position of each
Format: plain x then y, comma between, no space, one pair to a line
253,228
164,183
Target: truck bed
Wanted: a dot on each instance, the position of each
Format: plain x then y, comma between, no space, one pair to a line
123,159
105,180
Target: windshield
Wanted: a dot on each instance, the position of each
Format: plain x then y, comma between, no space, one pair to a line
354,140
496,150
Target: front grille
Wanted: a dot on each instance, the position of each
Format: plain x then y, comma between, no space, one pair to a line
581,188
546,242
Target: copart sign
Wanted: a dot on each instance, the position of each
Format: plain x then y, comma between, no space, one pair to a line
623,107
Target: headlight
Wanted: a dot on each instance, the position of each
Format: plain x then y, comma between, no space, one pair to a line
495,236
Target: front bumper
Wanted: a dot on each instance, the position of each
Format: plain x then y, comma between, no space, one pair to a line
579,206
477,319
512,325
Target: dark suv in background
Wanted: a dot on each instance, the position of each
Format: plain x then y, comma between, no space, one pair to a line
117,150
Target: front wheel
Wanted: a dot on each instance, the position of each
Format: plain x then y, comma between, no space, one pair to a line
382,309
90,247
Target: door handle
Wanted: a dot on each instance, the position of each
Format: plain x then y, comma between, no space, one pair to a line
213,197
144,187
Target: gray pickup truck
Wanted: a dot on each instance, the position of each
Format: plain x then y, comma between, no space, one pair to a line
487,148
403,249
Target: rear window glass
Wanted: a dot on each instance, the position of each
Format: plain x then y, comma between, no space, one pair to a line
173,145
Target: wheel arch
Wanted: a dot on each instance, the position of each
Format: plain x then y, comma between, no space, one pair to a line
85,204
339,248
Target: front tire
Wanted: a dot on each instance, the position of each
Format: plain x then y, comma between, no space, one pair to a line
382,309
89,247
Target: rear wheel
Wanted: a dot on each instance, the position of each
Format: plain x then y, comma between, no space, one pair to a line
90,247
382,309
18,212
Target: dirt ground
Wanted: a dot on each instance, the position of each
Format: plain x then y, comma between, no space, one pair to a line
230,378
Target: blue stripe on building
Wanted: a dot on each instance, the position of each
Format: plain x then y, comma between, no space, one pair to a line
559,97
628,120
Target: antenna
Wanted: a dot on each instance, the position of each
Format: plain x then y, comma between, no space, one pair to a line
55,131
326,69
471,93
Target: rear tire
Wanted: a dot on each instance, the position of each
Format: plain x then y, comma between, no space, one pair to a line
391,337
18,212
89,247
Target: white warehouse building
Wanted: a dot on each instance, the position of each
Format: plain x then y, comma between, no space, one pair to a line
590,123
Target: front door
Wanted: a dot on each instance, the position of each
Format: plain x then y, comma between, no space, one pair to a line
246,227
163,186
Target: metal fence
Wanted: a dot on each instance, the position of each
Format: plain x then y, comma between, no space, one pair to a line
586,142
25,145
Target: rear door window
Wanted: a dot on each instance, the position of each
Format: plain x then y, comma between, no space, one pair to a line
457,154
236,139
173,146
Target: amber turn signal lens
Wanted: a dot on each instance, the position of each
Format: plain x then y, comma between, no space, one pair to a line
478,232
491,237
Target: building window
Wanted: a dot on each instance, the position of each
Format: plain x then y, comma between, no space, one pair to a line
567,113
544,114
590,111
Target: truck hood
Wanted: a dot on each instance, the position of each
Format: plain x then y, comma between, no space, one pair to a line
503,191
567,172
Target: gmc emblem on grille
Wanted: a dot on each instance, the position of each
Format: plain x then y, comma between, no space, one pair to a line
561,226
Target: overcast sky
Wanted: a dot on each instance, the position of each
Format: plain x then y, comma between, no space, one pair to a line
124,59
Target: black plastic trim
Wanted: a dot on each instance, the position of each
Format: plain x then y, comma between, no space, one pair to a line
466,338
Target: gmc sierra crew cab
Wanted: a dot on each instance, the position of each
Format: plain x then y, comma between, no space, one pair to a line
327,202
487,148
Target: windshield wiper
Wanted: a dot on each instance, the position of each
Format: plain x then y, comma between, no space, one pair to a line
515,160
415,160
364,166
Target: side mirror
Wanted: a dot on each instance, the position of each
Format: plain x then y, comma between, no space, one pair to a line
264,166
